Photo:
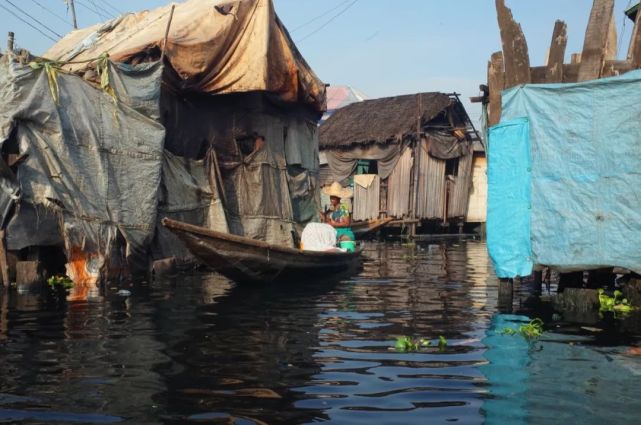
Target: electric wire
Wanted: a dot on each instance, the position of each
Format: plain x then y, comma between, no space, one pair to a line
327,12
101,9
34,19
115,9
329,21
92,10
28,23
51,12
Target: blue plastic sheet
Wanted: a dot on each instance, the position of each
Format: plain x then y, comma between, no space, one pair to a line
585,152
508,206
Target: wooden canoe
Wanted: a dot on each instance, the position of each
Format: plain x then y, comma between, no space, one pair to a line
362,228
245,260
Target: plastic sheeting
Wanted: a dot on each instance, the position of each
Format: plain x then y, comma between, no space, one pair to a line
94,162
586,183
343,162
398,186
508,212
318,237
214,46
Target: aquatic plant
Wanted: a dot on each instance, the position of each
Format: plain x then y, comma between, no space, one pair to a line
615,304
529,331
406,343
60,281
442,342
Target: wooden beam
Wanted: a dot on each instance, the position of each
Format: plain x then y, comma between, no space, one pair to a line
576,58
496,83
515,50
554,70
611,47
634,51
596,40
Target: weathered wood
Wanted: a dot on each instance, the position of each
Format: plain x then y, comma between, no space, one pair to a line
575,58
515,50
28,274
611,47
506,295
634,50
4,264
496,83
596,40
578,305
554,69
632,288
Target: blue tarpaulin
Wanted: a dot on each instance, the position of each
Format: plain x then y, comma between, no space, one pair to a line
508,206
585,151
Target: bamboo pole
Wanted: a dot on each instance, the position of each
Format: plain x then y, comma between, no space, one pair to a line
72,7
164,43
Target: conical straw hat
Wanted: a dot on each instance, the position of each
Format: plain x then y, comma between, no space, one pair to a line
337,190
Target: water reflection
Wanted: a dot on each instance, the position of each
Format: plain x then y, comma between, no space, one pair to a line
198,349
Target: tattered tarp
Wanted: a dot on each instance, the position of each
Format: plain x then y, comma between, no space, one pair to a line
94,162
214,46
443,145
343,162
586,185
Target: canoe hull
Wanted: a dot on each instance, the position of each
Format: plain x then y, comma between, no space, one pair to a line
245,260
363,228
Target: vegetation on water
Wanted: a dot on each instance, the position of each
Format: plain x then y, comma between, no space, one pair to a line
60,282
616,304
530,331
406,344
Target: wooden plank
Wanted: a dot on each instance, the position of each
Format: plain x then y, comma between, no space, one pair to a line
576,58
515,50
496,83
596,40
554,69
634,50
611,47
4,264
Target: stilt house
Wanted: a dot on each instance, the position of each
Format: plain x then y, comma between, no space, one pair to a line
410,157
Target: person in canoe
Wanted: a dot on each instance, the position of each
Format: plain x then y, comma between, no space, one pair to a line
338,215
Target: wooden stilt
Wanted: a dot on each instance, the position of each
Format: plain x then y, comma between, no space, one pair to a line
4,264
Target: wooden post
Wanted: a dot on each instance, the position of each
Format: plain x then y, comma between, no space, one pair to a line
506,295
4,264
554,71
596,40
72,7
634,51
164,43
10,40
417,161
515,50
496,83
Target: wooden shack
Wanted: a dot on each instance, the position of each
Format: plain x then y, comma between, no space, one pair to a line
408,157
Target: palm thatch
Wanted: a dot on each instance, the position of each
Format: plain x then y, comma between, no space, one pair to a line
380,120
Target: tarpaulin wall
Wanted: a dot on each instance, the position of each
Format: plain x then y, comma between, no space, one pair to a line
270,192
508,214
93,162
586,183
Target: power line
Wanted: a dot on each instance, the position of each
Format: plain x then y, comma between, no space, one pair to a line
52,12
329,22
320,16
100,8
115,9
89,8
28,23
34,19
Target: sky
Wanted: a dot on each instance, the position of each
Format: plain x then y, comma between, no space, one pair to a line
380,47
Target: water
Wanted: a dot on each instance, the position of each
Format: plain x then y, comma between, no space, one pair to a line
199,349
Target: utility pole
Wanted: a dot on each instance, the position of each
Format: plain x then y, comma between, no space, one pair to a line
10,42
73,14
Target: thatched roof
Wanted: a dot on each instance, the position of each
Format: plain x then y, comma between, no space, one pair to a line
380,120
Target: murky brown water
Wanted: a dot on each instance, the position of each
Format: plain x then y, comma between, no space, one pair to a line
198,349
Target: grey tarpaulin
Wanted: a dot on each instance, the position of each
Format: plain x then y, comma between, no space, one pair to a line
343,162
188,193
443,145
94,162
